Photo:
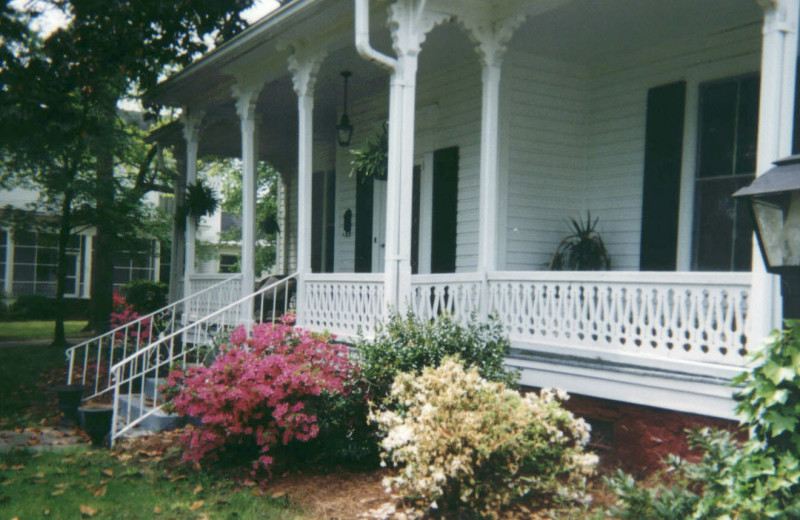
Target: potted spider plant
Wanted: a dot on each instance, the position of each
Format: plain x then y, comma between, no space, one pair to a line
583,249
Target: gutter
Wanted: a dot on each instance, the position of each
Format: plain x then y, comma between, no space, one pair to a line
362,39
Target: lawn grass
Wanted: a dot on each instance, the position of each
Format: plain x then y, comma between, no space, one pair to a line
26,373
92,483
27,330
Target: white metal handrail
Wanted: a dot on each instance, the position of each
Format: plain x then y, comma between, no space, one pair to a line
130,375
96,355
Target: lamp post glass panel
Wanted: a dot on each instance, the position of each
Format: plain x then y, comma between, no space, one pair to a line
774,198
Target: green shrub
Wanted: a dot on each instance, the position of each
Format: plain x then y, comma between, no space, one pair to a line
756,479
473,446
408,344
32,307
146,296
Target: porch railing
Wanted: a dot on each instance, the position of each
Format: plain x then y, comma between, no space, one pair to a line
343,304
89,363
226,293
457,294
137,376
685,316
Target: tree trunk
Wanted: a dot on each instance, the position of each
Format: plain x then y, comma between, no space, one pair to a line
62,267
104,244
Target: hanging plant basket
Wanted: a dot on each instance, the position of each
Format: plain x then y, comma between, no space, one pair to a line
200,201
373,159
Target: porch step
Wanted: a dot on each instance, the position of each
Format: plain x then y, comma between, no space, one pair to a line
158,421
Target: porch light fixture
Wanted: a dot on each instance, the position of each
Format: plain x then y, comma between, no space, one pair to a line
344,130
775,201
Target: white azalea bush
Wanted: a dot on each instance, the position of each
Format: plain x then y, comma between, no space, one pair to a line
475,446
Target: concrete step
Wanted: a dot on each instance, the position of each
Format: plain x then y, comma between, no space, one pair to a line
156,422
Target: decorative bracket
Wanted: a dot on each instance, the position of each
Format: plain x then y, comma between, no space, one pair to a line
246,101
192,124
491,37
409,23
304,66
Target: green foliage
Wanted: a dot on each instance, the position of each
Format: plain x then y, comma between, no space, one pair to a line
581,250
32,307
756,479
200,201
146,296
475,446
228,172
408,344
373,158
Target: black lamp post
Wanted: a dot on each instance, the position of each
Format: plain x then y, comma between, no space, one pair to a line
775,202
344,130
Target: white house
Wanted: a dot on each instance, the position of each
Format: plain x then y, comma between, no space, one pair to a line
505,119
28,257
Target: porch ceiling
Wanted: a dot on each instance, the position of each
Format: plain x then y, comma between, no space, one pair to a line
578,31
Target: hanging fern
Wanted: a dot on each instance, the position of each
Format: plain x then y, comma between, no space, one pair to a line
200,201
373,158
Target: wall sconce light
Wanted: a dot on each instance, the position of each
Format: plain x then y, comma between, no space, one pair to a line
348,222
344,130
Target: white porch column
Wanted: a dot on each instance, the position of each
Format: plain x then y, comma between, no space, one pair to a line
191,133
304,67
775,127
491,40
246,100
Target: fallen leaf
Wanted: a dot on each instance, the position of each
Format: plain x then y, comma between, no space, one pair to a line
9,482
87,511
197,505
100,492
278,494
198,489
57,492
46,512
39,475
17,467
124,457
108,472
83,473
157,510
33,442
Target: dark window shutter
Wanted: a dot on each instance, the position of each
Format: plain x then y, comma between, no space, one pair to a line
445,210
662,177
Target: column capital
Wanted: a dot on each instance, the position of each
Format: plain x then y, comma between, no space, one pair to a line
781,15
304,64
192,124
491,37
246,101
409,23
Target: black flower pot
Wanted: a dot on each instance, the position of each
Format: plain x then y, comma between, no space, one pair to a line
69,399
96,421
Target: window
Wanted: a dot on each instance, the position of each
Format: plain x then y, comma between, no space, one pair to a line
228,264
726,161
138,264
35,262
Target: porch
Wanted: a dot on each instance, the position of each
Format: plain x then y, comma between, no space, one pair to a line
504,120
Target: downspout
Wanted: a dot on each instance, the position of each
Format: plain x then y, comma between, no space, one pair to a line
362,39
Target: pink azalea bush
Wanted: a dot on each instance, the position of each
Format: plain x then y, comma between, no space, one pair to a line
124,313
261,390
